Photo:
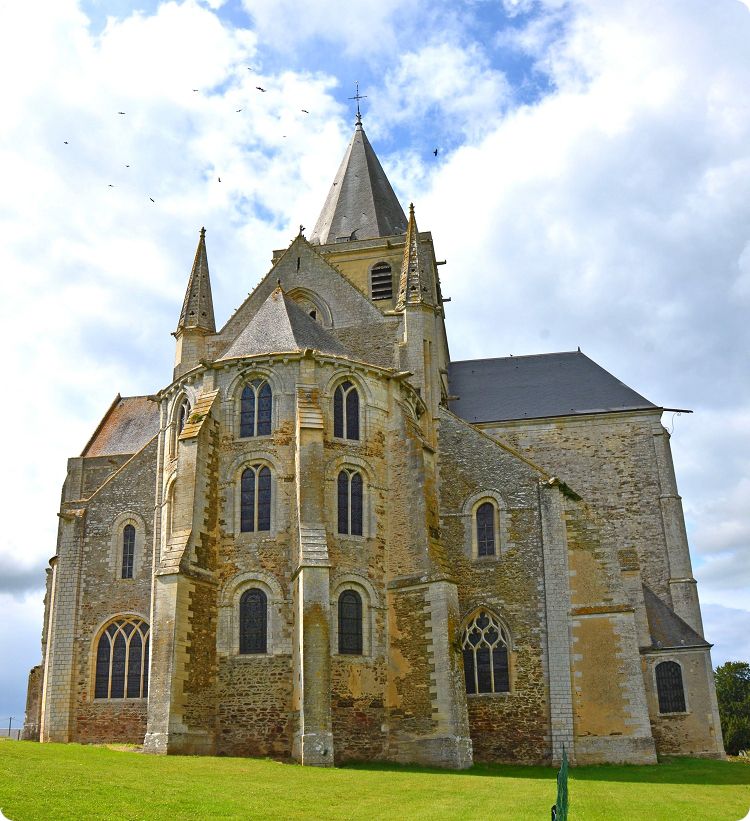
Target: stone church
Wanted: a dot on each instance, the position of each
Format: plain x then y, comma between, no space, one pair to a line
324,540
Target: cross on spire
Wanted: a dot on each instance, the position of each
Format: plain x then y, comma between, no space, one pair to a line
358,97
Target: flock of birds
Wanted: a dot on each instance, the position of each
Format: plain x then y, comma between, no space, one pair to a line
237,111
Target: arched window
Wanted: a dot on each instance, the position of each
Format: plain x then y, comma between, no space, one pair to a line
122,659
669,687
485,524
350,502
180,420
346,411
485,650
381,281
255,499
255,409
350,623
128,551
253,621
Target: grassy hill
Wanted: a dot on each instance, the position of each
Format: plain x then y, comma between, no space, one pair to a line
56,781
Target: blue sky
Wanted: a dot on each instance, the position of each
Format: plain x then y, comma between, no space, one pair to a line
590,189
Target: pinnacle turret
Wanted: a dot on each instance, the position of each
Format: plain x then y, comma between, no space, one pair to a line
413,287
198,307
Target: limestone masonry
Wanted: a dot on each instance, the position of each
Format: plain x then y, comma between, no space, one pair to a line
323,540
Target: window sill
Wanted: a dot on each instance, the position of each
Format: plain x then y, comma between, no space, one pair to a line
119,700
674,715
501,694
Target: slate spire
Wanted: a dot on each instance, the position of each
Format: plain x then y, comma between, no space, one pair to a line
413,286
198,307
361,203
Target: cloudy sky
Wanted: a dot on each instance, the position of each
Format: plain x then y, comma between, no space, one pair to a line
592,188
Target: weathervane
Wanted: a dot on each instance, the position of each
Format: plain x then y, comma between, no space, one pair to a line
358,97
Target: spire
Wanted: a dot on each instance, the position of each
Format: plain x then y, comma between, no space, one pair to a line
361,203
198,307
412,287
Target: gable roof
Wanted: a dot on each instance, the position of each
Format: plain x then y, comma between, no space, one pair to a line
280,325
127,426
536,387
667,629
361,203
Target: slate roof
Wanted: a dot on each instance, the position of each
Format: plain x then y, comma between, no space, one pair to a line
667,629
198,307
128,425
361,203
535,387
280,325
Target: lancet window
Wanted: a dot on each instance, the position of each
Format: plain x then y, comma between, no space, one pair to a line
256,404
350,623
669,687
346,411
128,551
485,650
122,659
253,621
485,524
350,502
255,499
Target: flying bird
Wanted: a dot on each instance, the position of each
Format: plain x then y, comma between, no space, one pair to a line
435,152
65,141
120,112
260,89
238,111
219,179
127,166
152,199
305,111
195,89
111,186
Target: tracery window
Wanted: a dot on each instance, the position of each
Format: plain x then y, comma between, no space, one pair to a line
122,659
253,621
381,281
350,502
350,623
128,551
485,650
182,415
255,499
669,687
346,411
485,524
255,409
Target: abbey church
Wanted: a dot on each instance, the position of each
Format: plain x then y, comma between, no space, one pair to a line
324,540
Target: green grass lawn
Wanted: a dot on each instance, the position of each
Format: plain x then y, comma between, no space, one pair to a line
58,781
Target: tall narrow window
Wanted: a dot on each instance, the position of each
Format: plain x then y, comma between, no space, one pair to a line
350,623
485,524
255,499
122,659
669,687
349,492
180,420
128,551
346,411
253,621
255,409
485,651
381,281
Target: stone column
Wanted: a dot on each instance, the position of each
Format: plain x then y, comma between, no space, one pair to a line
557,605
682,585
313,741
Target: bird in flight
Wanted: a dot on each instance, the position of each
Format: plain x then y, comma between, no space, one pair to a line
195,89
260,89
435,152
219,179
238,111
120,112
65,141
127,166
152,199
111,186
305,111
